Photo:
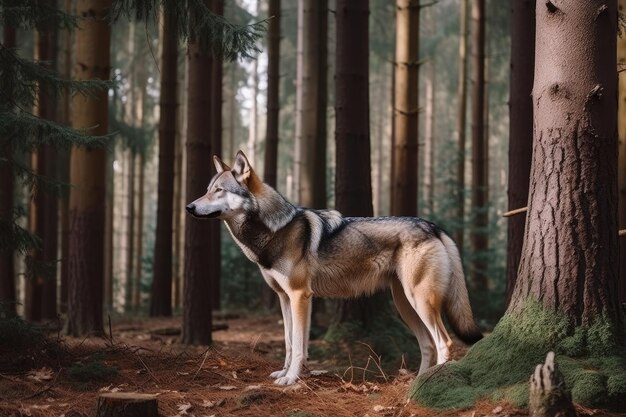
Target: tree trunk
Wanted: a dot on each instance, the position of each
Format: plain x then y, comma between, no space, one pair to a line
215,246
352,139
312,68
41,288
520,128
161,295
64,160
130,228
273,97
621,170
138,234
197,289
569,258
479,148
405,152
429,140
459,235
7,197
88,174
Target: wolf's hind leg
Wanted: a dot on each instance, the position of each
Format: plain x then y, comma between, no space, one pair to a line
428,307
285,308
413,321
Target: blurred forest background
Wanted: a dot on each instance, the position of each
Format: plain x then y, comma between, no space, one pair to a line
242,98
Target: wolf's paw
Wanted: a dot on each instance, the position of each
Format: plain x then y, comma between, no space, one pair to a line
278,374
286,380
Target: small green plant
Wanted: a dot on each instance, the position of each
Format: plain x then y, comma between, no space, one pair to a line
92,369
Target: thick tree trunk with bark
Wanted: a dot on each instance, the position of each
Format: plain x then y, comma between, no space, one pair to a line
88,174
273,97
520,128
569,259
479,150
406,107
311,112
197,282
161,296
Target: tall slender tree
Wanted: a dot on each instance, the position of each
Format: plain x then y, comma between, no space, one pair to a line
197,304
520,128
621,168
46,201
7,194
273,98
311,101
88,174
459,235
352,136
217,71
480,177
161,296
405,115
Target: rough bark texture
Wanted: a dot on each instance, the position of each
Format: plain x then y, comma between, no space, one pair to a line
621,179
217,72
520,128
127,404
161,295
569,258
459,235
429,139
197,282
311,112
7,190
405,114
273,98
479,150
88,175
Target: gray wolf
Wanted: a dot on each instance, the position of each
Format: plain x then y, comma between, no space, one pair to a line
303,252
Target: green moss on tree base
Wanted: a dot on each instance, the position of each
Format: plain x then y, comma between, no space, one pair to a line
592,359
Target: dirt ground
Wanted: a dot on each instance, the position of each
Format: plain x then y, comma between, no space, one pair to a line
228,379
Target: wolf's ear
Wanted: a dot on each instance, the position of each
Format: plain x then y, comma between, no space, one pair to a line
242,170
220,166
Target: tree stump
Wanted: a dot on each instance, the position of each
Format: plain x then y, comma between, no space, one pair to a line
127,404
549,397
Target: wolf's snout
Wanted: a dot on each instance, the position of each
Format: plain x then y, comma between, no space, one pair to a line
191,208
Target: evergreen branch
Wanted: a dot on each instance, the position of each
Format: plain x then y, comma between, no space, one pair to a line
20,80
197,23
28,14
14,237
28,132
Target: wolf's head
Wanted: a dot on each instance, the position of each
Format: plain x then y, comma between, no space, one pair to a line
230,192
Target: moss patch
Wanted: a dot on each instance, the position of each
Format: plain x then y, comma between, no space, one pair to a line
499,366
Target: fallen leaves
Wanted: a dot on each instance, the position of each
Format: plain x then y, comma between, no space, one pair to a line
43,374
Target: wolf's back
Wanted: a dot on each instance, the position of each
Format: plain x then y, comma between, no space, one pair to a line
457,303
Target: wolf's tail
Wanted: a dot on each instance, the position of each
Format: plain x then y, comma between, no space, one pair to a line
457,303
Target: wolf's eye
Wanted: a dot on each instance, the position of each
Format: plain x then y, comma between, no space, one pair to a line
218,189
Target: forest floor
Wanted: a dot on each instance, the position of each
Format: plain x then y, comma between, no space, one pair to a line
228,379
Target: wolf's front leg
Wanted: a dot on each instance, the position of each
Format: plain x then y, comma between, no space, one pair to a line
285,309
300,302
